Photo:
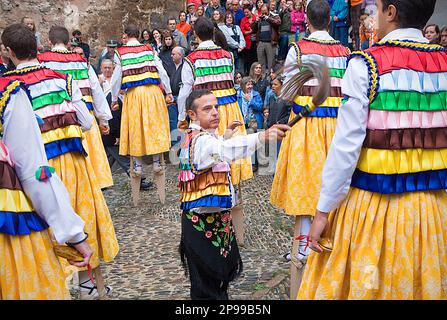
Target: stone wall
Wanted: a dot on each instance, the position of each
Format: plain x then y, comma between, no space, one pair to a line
98,20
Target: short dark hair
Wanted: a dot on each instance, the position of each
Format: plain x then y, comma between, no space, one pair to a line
318,13
248,6
76,33
132,31
59,34
171,18
167,34
204,29
196,94
411,13
146,30
21,40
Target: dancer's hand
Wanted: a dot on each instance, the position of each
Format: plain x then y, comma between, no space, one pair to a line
115,106
86,251
182,125
232,128
316,229
276,132
105,130
233,125
169,98
117,141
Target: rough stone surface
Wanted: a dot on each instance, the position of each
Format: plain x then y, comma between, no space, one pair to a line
98,20
148,264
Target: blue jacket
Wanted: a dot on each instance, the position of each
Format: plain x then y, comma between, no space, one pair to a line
255,107
341,10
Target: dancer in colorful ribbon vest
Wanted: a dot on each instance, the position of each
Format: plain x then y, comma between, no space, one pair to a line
207,196
212,68
303,151
385,173
145,118
61,114
64,61
32,199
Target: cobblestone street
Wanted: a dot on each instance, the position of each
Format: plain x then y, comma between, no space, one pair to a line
148,264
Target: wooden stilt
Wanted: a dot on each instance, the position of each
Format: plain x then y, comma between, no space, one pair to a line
237,215
296,267
99,282
135,181
160,180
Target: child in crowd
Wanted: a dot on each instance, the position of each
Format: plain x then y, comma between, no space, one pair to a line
368,31
237,80
298,19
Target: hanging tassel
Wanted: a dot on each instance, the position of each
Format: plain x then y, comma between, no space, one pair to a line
44,173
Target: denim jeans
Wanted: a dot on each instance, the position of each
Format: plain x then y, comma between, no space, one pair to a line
173,120
283,46
341,34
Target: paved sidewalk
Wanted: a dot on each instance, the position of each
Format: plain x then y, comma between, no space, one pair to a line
148,264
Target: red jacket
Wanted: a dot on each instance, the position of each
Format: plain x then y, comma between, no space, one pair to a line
246,27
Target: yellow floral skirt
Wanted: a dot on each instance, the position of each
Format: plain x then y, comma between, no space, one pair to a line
77,174
241,170
97,154
297,182
385,247
29,269
144,122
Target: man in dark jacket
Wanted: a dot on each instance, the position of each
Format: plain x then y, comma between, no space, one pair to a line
267,34
175,75
285,33
78,39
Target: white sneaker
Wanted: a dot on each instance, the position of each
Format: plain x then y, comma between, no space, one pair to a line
89,292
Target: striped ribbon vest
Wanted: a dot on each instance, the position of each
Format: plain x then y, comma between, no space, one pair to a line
51,99
74,64
213,70
204,188
17,216
405,148
138,66
335,55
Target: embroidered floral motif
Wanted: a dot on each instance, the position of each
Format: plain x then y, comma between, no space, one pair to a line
217,227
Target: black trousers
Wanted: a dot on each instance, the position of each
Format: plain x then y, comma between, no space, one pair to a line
209,253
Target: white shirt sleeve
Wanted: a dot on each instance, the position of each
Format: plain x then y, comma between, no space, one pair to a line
242,43
163,74
116,78
290,65
82,112
348,139
185,90
210,150
50,198
102,110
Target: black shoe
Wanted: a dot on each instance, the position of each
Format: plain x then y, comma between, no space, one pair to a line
146,185
255,168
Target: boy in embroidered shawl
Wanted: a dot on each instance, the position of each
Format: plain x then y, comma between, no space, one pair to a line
300,163
386,171
145,119
62,114
207,196
33,198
